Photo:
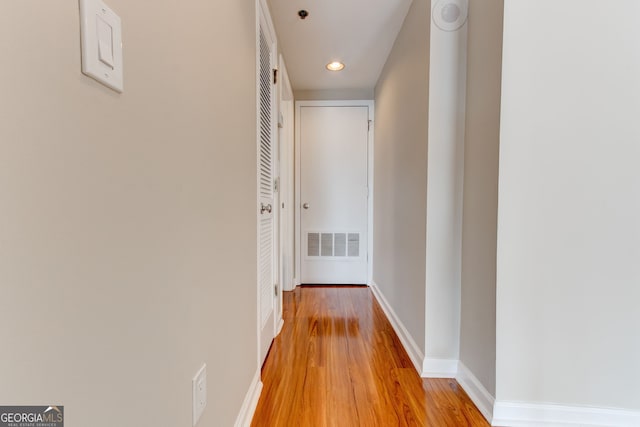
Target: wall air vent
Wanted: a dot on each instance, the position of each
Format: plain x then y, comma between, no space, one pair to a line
335,245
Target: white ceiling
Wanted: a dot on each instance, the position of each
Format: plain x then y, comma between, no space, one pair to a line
359,33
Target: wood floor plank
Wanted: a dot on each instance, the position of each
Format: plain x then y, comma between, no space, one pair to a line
338,362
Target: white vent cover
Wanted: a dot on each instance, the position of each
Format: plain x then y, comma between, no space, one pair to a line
339,245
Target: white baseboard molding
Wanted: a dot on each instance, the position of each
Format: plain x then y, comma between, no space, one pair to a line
250,402
280,325
409,344
476,391
439,368
519,414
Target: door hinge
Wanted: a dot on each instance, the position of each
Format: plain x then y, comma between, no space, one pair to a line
276,185
369,124
275,289
275,76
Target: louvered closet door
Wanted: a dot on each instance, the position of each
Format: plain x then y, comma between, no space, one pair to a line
266,208
333,192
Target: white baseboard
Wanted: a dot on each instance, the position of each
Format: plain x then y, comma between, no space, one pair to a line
280,325
250,402
439,368
409,344
518,414
476,391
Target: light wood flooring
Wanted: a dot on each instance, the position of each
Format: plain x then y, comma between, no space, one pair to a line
338,362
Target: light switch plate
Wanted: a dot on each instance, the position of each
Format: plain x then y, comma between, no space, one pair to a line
199,393
101,35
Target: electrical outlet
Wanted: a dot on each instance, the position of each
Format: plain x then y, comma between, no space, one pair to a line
199,393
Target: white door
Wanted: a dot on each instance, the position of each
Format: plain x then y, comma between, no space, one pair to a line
333,194
266,202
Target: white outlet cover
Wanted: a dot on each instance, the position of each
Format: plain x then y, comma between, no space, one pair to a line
199,393
101,35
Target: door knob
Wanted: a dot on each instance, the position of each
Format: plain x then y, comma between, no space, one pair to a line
265,208
306,205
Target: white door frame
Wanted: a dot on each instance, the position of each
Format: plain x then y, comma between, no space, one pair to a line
298,246
286,144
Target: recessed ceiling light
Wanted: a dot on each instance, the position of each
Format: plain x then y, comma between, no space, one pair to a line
335,66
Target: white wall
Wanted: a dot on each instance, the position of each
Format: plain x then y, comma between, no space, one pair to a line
568,272
126,257
400,181
447,77
480,214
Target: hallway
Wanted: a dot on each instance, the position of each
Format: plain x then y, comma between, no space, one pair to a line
338,362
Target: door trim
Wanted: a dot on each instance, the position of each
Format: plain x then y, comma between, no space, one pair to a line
287,163
298,238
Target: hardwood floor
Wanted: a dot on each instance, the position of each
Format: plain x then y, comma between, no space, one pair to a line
338,362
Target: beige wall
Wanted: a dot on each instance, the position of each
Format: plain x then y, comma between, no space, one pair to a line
127,222
482,140
569,204
402,109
